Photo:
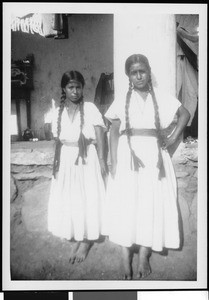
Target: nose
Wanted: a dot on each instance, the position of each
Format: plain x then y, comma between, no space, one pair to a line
139,75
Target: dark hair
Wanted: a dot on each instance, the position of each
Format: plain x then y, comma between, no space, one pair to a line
142,59
134,59
72,75
66,78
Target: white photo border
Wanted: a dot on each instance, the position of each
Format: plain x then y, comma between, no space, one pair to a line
112,8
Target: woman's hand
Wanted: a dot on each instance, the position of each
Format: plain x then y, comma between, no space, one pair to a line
183,118
56,175
103,166
168,142
112,169
113,141
101,149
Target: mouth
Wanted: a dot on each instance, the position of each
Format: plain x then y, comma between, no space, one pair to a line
139,82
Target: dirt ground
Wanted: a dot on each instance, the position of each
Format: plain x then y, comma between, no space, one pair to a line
38,255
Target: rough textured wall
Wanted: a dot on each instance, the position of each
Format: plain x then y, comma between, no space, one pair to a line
88,49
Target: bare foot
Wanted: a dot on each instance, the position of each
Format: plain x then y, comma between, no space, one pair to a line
83,251
144,268
73,252
127,263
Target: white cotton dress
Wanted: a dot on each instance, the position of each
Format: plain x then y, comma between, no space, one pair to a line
141,209
77,195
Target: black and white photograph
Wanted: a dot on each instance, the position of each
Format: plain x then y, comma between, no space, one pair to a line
104,147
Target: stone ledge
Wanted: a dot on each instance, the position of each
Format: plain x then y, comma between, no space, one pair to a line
19,146
32,153
42,153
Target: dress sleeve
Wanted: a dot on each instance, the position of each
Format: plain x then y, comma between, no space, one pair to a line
94,115
168,108
54,121
113,112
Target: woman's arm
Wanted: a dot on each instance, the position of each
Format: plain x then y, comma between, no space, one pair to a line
113,141
101,149
183,119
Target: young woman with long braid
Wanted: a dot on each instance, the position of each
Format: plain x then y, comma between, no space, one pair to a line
141,193
77,188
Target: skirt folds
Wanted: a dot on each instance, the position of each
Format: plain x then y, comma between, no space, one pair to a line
76,201
140,208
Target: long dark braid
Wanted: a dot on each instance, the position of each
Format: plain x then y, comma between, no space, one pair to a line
81,105
158,128
136,161
61,108
82,142
58,144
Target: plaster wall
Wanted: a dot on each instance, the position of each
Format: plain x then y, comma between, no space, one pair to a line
153,35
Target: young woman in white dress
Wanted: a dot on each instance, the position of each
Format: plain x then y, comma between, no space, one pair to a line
77,188
141,193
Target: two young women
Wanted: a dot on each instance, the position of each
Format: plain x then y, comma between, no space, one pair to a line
141,199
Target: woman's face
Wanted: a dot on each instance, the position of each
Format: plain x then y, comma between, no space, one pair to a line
73,91
139,75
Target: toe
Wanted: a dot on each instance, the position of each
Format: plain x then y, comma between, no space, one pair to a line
139,275
71,260
144,274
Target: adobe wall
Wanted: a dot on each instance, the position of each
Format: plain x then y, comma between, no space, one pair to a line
88,49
